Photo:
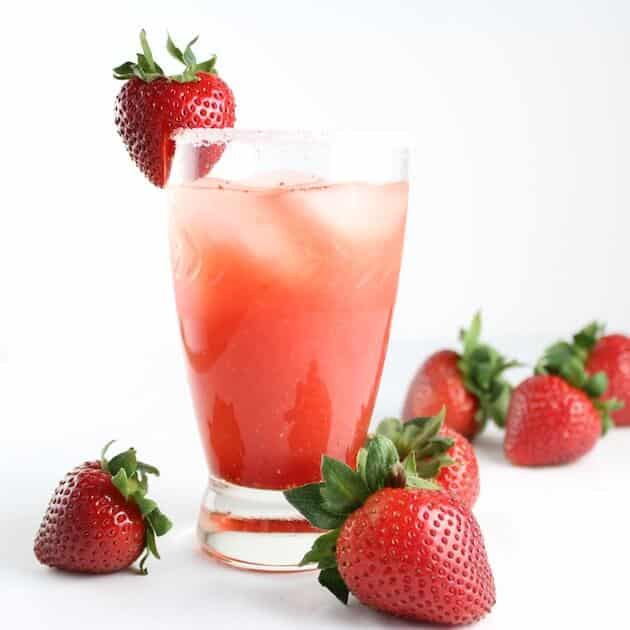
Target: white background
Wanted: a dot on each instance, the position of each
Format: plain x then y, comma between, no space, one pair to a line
518,116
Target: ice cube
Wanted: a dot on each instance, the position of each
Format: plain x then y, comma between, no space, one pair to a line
252,223
354,212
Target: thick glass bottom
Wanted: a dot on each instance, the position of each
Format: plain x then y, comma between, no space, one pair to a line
253,529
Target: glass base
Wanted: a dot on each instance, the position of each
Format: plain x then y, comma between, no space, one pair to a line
253,529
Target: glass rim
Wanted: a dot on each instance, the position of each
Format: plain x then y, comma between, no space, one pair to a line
204,136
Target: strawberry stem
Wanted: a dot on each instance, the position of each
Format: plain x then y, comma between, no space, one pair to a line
482,368
146,68
148,55
129,476
420,446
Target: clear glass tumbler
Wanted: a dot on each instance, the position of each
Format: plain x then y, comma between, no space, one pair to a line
286,250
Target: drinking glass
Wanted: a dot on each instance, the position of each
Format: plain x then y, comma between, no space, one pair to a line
286,249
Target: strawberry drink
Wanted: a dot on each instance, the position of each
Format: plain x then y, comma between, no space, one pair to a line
285,282
284,315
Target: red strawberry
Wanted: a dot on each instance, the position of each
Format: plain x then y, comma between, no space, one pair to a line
557,416
440,454
611,355
99,519
549,422
151,106
416,554
439,383
469,385
397,542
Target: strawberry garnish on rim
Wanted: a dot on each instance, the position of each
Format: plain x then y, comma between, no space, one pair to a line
152,105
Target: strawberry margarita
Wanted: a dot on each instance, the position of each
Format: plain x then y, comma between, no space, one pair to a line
285,258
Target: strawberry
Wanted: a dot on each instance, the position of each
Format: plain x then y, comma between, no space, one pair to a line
99,519
549,422
611,355
151,106
557,415
398,542
437,570
468,385
441,454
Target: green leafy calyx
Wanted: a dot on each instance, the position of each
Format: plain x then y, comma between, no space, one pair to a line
568,360
129,476
482,367
420,438
328,504
146,69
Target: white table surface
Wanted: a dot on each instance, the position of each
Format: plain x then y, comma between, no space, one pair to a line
557,538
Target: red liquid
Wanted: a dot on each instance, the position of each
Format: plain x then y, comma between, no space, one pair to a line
213,522
285,297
